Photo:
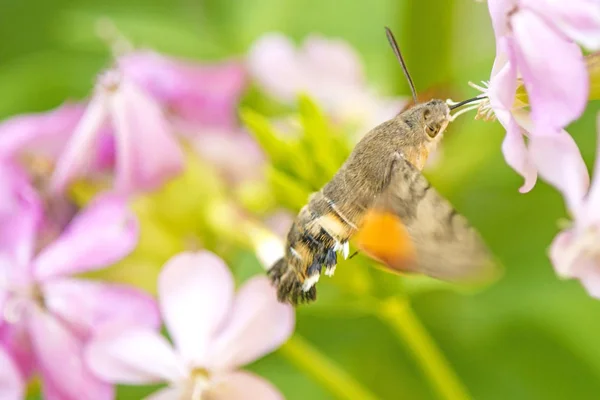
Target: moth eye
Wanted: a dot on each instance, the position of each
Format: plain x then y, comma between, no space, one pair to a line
431,131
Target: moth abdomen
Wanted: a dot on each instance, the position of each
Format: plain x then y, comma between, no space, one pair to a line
289,285
313,241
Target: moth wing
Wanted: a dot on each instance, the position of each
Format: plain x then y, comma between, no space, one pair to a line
428,236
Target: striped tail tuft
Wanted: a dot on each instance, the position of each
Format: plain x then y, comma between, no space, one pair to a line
289,286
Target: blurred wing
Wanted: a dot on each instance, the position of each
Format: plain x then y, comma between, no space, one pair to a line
411,228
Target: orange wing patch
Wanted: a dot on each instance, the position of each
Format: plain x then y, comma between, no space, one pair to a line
383,237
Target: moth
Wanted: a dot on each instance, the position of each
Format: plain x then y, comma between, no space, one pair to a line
380,200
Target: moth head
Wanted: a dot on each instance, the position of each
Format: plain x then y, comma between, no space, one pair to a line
435,115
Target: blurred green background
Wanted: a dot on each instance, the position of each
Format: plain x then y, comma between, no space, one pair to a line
529,336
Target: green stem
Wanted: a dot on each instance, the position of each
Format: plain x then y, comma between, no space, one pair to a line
399,315
314,363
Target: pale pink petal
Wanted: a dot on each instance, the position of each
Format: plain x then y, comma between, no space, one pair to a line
333,58
147,152
274,64
60,359
43,133
195,293
590,279
89,307
503,81
515,151
559,162
243,386
561,254
557,91
15,339
206,94
258,325
237,156
592,204
20,217
577,19
499,10
12,386
76,158
168,393
134,356
103,233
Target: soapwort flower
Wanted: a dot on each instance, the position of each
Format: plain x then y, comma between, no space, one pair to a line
46,314
536,46
574,251
213,332
328,70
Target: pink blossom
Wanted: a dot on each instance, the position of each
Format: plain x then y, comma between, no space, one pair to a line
146,152
12,386
42,134
203,94
213,331
574,251
536,42
328,70
47,315
235,154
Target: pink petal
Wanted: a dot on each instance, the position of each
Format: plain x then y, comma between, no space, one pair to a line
577,19
56,346
20,217
244,386
276,67
207,95
499,10
557,91
258,325
561,254
15,339
103,233
195,292
75,159
238,157
43,133
147,152
590,279
134,356
559,162
12,386
333,58
592,204
515,152
503,81
89,307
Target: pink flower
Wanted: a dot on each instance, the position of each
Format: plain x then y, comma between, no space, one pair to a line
40,134
574,251
47,314
206,95
214,333
12,386
531,36
328,70
146,153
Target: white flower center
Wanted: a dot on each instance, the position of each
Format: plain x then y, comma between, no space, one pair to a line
482,105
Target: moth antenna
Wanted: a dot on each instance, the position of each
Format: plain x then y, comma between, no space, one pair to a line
396,49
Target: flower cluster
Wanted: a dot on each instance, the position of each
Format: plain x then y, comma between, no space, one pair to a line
128,139
538,49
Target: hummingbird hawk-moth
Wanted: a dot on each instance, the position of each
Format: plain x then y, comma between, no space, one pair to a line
380,200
